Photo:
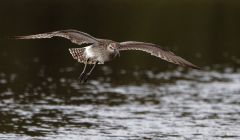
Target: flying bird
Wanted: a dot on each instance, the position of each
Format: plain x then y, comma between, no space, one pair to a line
103,50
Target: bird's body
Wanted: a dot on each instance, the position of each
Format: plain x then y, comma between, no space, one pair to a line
94,53
103,50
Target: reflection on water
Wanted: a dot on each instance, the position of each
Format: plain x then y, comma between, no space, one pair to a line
171,105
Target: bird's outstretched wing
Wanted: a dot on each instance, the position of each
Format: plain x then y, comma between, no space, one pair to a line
74,36
157,51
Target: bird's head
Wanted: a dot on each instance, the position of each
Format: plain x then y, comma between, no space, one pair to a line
113,48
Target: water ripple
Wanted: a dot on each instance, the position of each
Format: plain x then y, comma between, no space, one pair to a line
172,105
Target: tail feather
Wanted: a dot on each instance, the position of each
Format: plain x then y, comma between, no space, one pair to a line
77,53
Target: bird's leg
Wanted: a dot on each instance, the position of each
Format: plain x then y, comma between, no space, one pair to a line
83,72
89,73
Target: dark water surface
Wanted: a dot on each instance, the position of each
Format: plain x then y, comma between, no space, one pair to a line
174,105
136,96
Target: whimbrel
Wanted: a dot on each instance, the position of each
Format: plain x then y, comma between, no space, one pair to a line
103,50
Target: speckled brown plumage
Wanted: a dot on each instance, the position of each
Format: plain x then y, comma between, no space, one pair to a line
80,56
157,51
103,50
74,36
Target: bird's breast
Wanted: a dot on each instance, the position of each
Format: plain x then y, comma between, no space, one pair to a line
96,53
89,53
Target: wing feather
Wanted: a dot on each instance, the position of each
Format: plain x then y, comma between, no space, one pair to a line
157,51
74,36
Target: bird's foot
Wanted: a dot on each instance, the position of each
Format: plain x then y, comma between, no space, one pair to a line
86,78
83,78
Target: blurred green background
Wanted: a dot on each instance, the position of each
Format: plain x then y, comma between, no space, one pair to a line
205,32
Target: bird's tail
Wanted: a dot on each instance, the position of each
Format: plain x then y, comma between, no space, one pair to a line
78,54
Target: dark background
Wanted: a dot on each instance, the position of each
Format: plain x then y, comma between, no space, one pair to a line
205,32
40,94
